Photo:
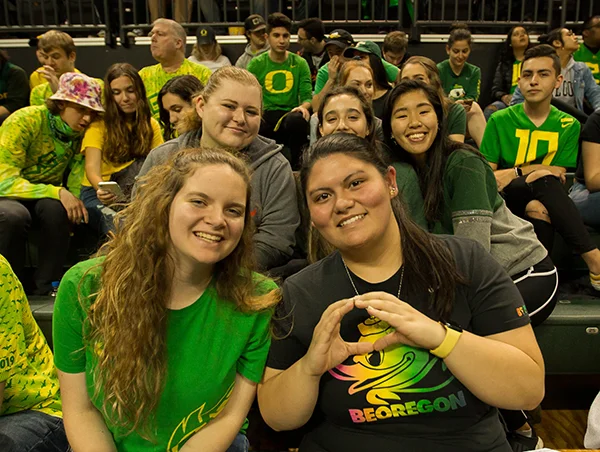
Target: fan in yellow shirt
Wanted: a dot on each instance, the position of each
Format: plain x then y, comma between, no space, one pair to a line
117,156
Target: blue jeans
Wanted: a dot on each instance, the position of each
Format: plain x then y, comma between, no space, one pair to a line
240,444
492,108
587,203
98,221
32,431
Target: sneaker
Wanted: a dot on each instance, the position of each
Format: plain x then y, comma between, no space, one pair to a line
595,281
520,442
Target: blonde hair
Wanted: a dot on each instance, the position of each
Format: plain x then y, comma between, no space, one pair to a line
56,39
128,319
219,78
207,52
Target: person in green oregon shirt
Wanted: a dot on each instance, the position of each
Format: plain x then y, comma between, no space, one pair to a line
589,49
287,89
38,146
462,80
530,146
163,351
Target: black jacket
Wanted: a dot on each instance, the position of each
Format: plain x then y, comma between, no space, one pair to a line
502,80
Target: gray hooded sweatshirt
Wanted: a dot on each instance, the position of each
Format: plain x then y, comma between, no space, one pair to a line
274,205
248,55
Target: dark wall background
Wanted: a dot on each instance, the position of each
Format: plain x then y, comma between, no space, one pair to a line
94,60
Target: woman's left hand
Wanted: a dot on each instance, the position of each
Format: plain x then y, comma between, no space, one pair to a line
105,197
411,326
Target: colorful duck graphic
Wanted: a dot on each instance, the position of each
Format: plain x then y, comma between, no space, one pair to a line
394,370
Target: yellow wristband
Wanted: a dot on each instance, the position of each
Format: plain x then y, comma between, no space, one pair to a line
448,344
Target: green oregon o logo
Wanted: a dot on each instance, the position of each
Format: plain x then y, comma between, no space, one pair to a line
289,81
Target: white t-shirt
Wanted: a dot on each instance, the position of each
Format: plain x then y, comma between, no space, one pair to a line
213,65
565,91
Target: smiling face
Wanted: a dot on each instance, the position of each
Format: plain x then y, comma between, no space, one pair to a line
414,124
459,53
538,80
344,113
361,78
76,116
123,93
177,108
230,116
206,218
350,202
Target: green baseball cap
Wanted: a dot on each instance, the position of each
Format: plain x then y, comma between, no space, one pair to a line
364,47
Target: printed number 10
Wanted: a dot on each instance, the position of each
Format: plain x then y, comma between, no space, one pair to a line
528,142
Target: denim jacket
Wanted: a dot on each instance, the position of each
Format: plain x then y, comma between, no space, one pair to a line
584,86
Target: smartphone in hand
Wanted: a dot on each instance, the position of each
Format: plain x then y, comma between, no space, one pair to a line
113,188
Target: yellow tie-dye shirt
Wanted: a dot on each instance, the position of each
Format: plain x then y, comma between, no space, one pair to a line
26,362
154,77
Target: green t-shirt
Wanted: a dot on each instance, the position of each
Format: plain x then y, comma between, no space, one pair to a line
35,151
40,93
207,343
457,120
592,60
408,186
285,85
465,85
154,78
391,72
26,363
511,139
470,190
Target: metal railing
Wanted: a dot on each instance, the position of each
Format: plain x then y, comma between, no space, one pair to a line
127,18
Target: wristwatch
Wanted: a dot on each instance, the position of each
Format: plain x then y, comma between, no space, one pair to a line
453,333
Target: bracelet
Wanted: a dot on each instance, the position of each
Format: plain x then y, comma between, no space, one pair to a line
448,344
518,171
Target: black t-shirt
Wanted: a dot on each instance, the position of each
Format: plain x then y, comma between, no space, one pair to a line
590,133
403,398
14,88
379,105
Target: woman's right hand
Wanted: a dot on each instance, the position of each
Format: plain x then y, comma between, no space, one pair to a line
327,348
105,197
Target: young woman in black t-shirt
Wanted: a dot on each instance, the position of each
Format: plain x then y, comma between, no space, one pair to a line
399,340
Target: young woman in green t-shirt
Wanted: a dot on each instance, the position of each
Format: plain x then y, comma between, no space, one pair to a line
461,198
461,80
165,336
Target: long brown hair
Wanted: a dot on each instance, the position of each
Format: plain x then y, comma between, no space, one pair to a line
126,139
207,52
128,319
429,262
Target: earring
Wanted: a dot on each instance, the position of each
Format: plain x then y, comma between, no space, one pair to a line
392,191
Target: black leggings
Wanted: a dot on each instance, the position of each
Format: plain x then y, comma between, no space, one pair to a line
563,214
292,132
16,218
538,286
